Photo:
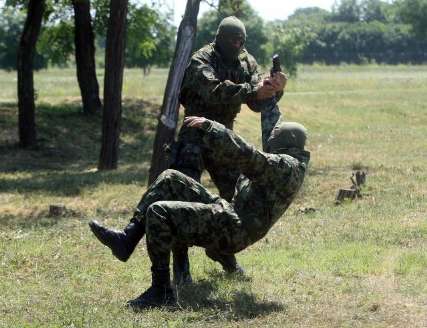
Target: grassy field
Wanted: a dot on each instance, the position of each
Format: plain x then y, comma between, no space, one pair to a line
359,264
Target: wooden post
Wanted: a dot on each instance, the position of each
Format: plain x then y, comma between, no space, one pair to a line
168,119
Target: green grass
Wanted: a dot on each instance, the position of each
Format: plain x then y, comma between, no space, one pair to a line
360,264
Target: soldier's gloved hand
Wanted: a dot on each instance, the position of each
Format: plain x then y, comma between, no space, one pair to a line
265,89
194,121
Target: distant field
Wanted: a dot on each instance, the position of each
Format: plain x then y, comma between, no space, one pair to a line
359,264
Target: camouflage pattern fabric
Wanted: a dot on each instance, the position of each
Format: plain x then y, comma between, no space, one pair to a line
270,116
180,210
193,157
215,90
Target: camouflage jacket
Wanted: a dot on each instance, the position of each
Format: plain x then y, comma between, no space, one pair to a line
268,184
216,91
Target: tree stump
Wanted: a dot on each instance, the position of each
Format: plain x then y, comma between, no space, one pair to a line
56,210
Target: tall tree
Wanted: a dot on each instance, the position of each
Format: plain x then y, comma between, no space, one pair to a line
169,112
26,51
85,57
113,82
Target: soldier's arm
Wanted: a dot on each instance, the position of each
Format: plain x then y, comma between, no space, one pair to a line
234,150
269,119
257,105
260,105
207,84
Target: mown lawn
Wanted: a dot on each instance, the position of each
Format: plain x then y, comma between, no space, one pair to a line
359,264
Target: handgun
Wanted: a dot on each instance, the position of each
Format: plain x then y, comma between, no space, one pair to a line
276,65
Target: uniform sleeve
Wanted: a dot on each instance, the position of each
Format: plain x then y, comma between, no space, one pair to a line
232,149
204,80
270,116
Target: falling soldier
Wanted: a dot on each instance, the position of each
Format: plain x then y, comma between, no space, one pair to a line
178,211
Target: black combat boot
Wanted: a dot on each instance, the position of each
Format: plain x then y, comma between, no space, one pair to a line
159,294
121,243
228,262
181,266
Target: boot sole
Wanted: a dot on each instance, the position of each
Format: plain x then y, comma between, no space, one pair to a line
146,306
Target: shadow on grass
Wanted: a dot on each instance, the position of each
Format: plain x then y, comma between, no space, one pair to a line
66,183
239,305
69,145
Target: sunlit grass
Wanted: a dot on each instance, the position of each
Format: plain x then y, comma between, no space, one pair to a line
360,264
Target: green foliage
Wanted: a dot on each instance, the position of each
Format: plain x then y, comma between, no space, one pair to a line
355,31
310,15
150,38
206,28
56,42
364,42
11,25
374,10
414,12
289,41
347,11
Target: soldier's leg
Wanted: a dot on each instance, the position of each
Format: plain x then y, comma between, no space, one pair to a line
213,226
225,178
159,239
170,185
188,160
174,185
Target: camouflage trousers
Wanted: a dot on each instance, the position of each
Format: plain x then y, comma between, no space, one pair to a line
192,159
179,211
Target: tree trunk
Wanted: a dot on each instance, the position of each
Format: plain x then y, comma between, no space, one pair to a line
113,82
85,57
26,51
168,120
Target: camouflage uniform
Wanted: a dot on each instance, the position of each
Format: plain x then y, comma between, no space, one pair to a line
180,210
214,90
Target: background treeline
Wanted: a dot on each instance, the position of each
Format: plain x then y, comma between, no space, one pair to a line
354,31
150,34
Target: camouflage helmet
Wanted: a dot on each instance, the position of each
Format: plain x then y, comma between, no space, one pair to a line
287,135
230,29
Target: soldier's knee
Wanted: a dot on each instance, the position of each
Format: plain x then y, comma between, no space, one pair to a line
155,211
168,175
155,217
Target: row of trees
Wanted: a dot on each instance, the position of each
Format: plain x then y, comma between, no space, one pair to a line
355,31
118,23
150,33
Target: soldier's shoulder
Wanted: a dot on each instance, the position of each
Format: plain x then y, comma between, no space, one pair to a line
246,56
204,54
282,161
